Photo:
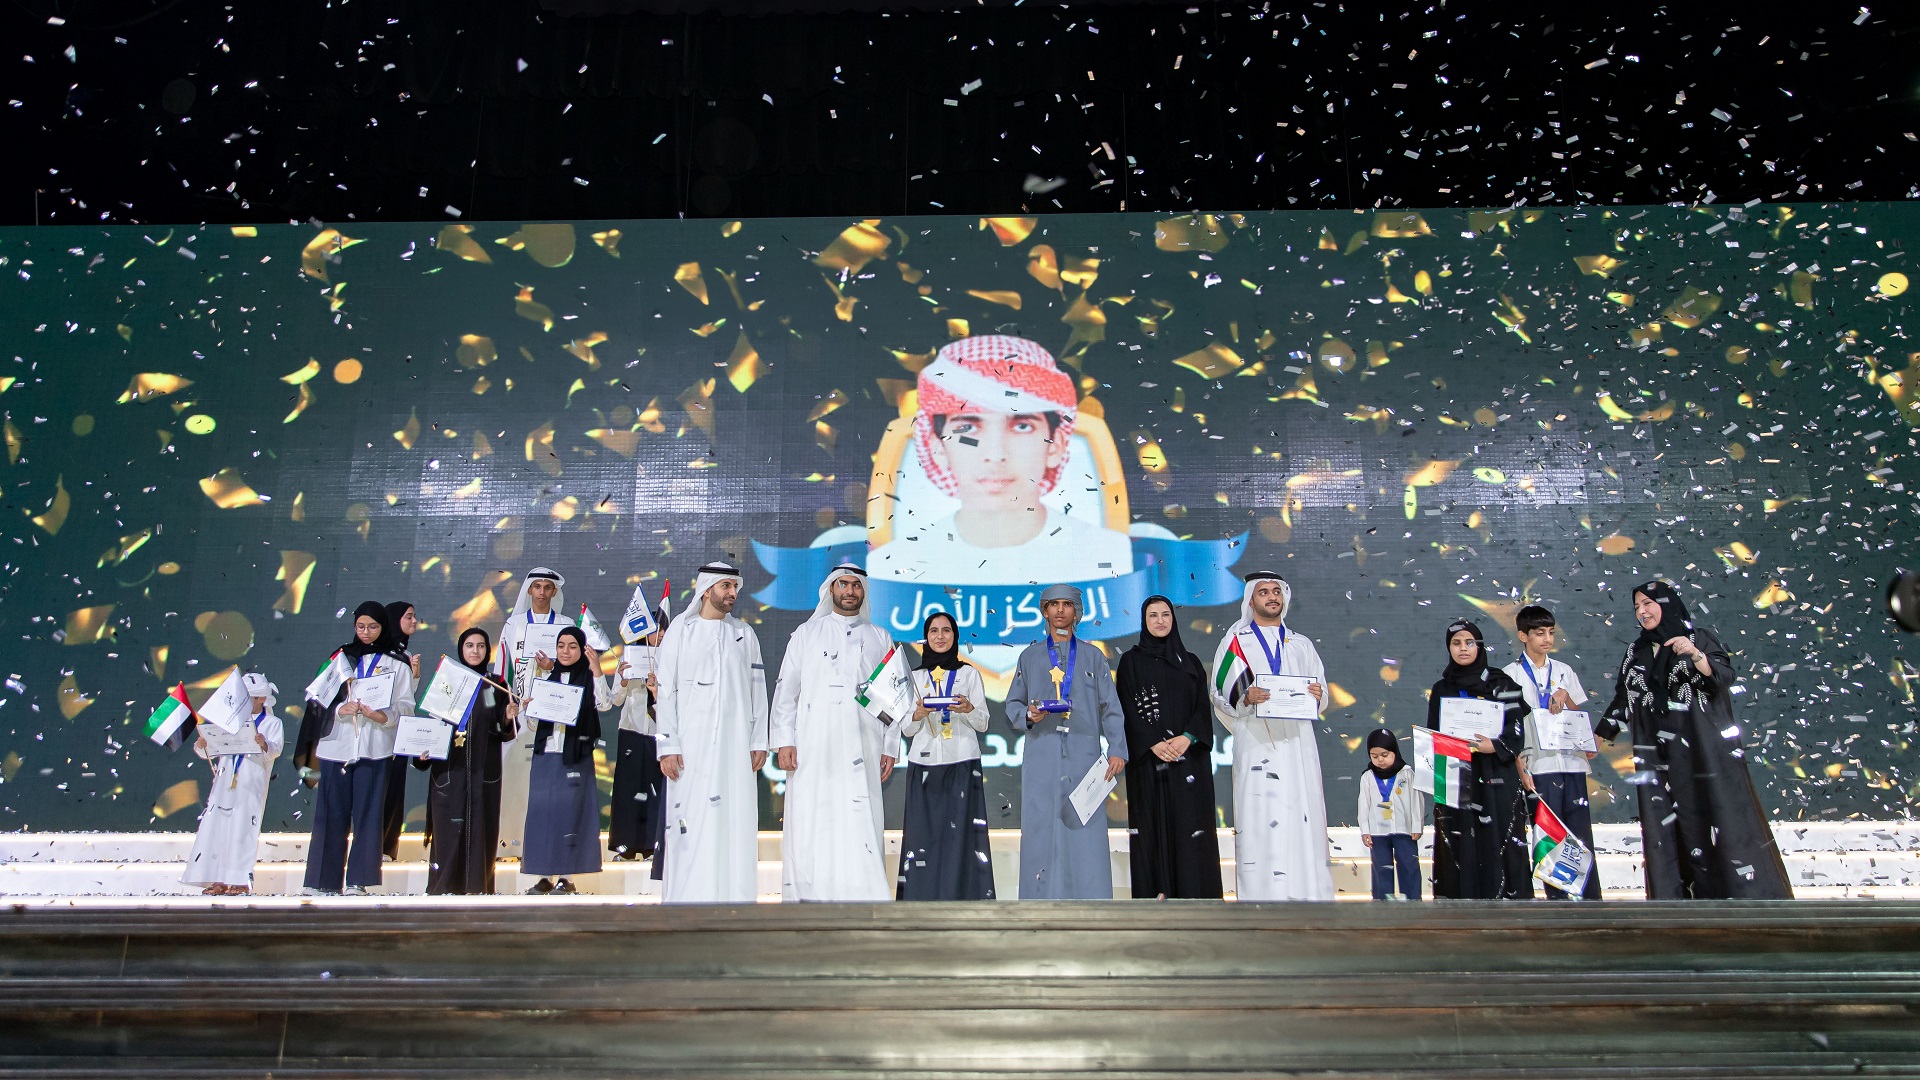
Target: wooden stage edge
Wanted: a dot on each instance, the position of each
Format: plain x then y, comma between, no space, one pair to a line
1124,989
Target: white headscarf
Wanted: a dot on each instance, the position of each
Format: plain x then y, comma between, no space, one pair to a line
258,686
1254,581
825,606
524,603
710,575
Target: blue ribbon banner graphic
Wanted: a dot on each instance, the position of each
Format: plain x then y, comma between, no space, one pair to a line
1188,572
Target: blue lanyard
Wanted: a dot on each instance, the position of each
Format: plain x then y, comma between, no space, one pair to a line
364,670
234,760
1385,784
946,713
1053,657
1544,690
1275,653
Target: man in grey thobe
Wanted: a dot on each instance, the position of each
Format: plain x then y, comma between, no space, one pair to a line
1060,858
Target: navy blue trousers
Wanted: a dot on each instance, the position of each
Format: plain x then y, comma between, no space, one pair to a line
1565,793
349,801
1395,853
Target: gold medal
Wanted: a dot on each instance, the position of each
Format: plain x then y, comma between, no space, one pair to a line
946,730
459,738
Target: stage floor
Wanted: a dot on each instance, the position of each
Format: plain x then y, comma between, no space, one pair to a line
1825,860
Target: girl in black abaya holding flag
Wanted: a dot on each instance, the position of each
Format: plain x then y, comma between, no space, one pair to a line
1704,834
1480,849
1174,849
463,792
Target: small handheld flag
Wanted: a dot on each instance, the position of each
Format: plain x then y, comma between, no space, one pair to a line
596,634
1559,858
1439,762
1234,677
172,724
637,623
889,693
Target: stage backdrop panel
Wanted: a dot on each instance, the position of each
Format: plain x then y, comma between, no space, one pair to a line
221,440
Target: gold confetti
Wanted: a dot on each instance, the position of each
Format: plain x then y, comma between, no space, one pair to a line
1198,232
301,402
550,245
1774,593
88,625
157,660
1891,284
55,515
297,378
565,509
245,231
1089,324
1400,225
1431,473
200,424
525,306
481,446
1901,387
298,511
619,440
1511,315
1341,698
475,351
457,240
609,240
1147,449
583,348
1736,554
825,436
958,328
688,275
296,571
731,228
361,515
1596,265
1801,288
72,700
649,418
228,491
743,365
128,544
15,443
167,569
315,256
1336,355
483,610
227,634
152,384
1692,308
177,797
1003,297
1211,362
1423,283
410,433
707,329
1043,266
1488,475
1614,544
1010,230
697,400
835,399
540,449
855,248
348,371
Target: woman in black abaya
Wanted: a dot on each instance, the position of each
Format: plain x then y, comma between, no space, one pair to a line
1704,834
1174,850
1480,848
463,792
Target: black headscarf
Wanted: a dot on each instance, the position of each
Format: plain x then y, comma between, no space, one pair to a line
578,746
1384,739
1674,622
932,660
1170,649
1472,676
354,649
460,650
397,641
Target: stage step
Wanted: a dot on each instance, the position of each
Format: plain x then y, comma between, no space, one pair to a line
1824,860
1175,989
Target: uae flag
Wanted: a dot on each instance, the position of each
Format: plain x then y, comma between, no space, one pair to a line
172,724
595,633
1439,765
1234,677
1559,858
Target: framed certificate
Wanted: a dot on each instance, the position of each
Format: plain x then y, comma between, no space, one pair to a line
374,691
1468,717
555,703
536,638
220,743
1566,730
423,736
1289,700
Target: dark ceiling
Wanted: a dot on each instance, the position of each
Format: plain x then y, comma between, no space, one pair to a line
182,110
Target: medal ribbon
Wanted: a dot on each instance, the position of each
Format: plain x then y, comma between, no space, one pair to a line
1275,653
1053,657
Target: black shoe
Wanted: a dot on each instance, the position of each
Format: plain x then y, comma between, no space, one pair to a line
565,888
541,887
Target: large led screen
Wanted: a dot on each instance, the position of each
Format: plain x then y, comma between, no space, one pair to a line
219,440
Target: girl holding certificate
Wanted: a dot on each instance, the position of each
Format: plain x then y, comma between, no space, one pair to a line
1480,848
228,841
354,744
463,792
563,800
944,854
402,621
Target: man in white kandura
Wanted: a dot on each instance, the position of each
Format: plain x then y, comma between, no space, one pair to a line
1279,807
836,755
712,736
522,661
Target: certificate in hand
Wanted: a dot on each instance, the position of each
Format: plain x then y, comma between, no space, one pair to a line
541,638
1290,700
1091,791
1568,729
374,691
1468,717
639,660
556,703
221,743
422,736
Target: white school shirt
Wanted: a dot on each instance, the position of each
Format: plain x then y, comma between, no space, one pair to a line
1556,676
928,747
1400,812
358,738
632,700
